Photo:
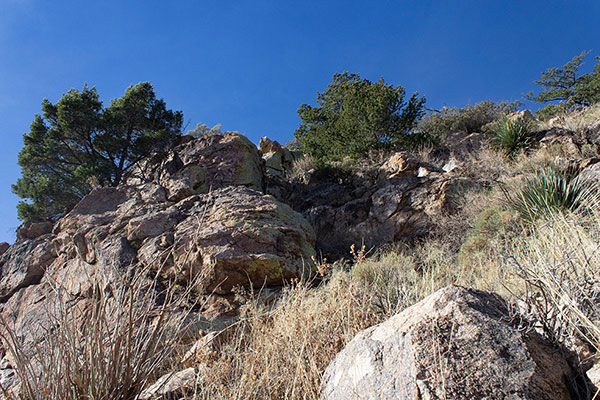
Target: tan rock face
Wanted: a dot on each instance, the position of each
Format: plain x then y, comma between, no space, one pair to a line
209,163
234,236
24,264
277,158
456,344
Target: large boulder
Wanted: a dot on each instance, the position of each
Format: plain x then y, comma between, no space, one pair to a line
456,344
233,236
211,162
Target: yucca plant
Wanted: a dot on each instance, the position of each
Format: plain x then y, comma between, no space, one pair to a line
553,191
512,136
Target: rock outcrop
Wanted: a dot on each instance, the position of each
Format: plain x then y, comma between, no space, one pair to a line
456,344
399,200
207,163
277,158
197,218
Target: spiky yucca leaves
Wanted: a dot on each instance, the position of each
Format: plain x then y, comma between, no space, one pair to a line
512,136
552,191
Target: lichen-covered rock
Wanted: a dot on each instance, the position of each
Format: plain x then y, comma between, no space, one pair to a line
211,162
456,344
234,236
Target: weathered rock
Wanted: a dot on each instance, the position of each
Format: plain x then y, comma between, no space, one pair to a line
567,140
593,375
211,162
33,230
525,115
3,247
400,164
591,173
235,236
456,344
171,384
400,208
592,133
24,264
277,158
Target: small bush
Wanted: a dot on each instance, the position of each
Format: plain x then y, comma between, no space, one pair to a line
512,136
470,119
553,191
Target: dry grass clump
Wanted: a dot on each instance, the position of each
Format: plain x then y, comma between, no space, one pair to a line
559,264
299,168
575,120
281,353
108,346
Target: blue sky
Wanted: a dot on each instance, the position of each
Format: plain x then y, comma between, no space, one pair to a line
249,64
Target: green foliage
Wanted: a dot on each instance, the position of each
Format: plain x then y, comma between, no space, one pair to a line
470,119
566,89
355,116
205,130
512,136
553,191
76,143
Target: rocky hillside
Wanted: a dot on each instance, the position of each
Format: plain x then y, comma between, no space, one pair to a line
220,216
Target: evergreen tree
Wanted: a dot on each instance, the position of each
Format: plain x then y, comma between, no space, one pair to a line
354,116
77,142
565,88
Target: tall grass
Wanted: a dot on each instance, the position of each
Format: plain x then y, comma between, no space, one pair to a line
559,263
281,352
108,346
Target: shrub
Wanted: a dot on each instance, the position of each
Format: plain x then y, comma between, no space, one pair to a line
470,119
205,130
553,191
512,136
355,116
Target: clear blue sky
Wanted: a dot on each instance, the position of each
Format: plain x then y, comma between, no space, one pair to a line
249,64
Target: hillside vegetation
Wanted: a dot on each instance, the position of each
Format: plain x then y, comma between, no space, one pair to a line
497,199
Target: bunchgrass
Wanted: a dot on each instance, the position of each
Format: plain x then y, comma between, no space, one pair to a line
109,346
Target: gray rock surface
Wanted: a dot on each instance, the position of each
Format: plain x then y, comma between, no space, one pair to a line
171,384
456,344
